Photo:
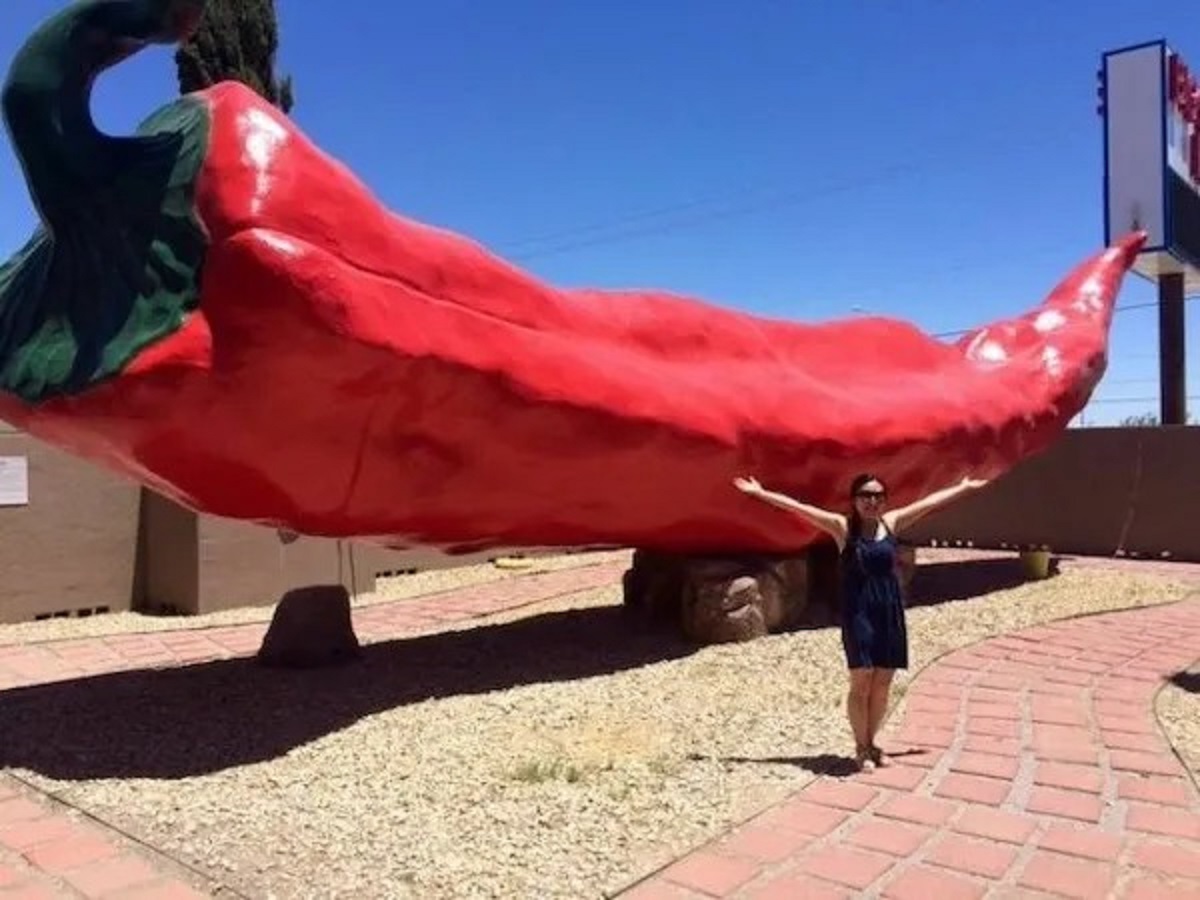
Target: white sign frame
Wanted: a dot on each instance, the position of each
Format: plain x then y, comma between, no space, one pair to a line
1148,153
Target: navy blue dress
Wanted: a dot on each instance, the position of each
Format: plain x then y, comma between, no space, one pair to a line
873,629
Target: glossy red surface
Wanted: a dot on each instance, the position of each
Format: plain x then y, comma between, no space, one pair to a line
354,373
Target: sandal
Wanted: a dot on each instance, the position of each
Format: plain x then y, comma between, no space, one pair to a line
865,759
878,758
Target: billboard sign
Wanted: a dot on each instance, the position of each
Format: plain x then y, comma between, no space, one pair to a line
1150,103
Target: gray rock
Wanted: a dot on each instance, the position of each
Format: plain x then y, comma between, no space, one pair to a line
312,627
714,599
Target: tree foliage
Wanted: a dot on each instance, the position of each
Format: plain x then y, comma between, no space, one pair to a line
237,41
1149,420
1145,420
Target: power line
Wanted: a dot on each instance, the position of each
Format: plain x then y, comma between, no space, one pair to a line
1128,307
773,199
973,265
1102,400
629,218
1112,381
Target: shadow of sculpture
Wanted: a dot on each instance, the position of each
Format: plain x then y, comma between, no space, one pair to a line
1186,681
932,585
199,719
937,583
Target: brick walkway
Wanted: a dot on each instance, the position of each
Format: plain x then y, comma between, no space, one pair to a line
51,852
1031,766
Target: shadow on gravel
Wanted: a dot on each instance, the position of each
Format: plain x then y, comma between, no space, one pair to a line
1187,681
947,582
933,584
174,723
822,764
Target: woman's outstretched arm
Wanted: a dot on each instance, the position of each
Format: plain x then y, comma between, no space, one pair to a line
833,524
904,517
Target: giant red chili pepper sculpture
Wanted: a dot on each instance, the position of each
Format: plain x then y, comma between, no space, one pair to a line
220,311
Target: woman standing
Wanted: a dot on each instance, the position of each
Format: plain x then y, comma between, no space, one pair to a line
872,608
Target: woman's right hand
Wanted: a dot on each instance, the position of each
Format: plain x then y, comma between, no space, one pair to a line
748,486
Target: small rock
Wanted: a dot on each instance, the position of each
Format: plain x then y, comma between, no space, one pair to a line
311,628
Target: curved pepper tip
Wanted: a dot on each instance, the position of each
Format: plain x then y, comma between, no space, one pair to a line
1131,245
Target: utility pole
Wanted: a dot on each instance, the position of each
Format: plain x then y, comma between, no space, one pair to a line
1172,350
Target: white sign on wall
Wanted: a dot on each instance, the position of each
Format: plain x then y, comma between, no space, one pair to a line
14,481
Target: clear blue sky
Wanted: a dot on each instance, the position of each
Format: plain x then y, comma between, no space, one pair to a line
936,161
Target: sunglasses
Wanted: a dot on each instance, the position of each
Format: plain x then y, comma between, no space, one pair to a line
871,495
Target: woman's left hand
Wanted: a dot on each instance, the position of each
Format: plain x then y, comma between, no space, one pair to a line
748,486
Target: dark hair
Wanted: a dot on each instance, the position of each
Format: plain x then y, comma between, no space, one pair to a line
855,486
859,480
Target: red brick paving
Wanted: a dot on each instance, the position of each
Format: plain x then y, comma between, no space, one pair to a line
1041,773
48,852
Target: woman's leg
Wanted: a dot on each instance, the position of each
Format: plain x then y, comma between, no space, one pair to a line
858,709
877,704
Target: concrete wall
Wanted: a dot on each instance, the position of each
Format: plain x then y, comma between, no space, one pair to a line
244,565
1099,491
167,560
90,542
73,549
202,564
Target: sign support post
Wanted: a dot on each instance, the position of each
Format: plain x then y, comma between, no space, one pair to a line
1172,350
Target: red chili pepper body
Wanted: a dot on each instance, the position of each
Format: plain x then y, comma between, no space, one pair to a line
347,372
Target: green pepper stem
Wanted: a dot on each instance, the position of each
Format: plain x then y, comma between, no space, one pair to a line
46,98
116,262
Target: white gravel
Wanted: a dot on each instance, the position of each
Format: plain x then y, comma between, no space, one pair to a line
1178,709
544,753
